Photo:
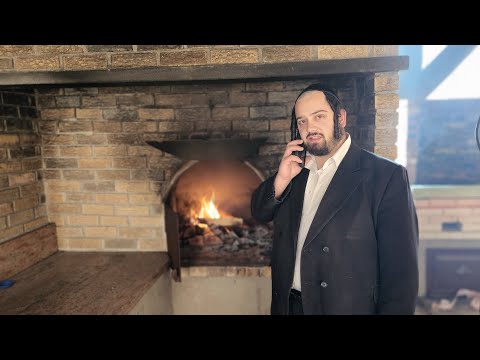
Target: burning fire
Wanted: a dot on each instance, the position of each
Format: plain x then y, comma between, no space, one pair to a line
209,210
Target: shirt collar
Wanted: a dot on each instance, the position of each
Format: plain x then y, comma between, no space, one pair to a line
336,158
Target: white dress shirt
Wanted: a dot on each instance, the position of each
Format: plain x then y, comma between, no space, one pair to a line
317,184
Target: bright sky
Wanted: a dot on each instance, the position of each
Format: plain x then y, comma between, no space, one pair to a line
462,83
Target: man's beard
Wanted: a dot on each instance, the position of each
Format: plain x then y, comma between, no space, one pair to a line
325,147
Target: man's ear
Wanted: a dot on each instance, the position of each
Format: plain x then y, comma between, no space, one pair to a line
342,118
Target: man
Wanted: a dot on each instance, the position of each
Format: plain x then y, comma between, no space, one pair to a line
345,225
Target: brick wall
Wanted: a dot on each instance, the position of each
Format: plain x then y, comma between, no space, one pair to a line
104,185
22,200
83,57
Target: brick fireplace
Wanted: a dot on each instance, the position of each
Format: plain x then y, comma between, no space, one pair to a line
84,163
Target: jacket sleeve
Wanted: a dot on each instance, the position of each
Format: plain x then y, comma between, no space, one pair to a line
397,239
264,205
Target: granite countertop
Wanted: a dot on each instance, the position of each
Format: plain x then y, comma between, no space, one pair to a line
88,283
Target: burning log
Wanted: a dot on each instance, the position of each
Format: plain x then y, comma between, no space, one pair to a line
225,221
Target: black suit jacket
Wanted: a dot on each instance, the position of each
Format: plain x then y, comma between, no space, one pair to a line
360,254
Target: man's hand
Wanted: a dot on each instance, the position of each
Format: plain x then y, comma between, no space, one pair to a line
289,167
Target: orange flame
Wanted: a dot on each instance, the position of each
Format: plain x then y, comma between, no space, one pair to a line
209,210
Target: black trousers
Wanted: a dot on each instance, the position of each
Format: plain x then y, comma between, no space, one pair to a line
295,306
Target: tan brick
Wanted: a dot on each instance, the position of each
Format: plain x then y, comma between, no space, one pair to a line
390,152
26,203
89,114
112,150
50,151
386,119
6,208
58,219
78,174
100,231
60,185
156,221
85,244
9,195
6,50
234,56
134,60
30,189
100,186
130,163
64,208
55,198
31,164
131,187
21,217
97,209
99,101
135,99
458,212
286,53
475,203
39,62
76,151
80,197
34,224
385,136
385,50
58,139
132,210
6,64
75,126
138,199
135,233
58,114
250,125
181,58
48,126
156,114
10,166
111,198
111,126
229,113
113,174
276,125
282,97
120,244
95,163
58,49
343,51
155,245
7,140
11,232
386,82
40,210
91,139
387,101
114,220
266,86
22,179
97,61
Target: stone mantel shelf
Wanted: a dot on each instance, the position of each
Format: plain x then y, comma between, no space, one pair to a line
228,72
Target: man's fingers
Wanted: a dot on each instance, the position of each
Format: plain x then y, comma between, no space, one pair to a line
291,149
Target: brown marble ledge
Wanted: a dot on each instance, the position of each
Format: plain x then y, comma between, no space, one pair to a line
89,283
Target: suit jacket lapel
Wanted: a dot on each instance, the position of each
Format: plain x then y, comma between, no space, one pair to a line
298,192
343,184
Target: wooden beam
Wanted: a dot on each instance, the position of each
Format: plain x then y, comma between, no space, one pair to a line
227,72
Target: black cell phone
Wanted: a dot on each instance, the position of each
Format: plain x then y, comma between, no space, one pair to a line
300,154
